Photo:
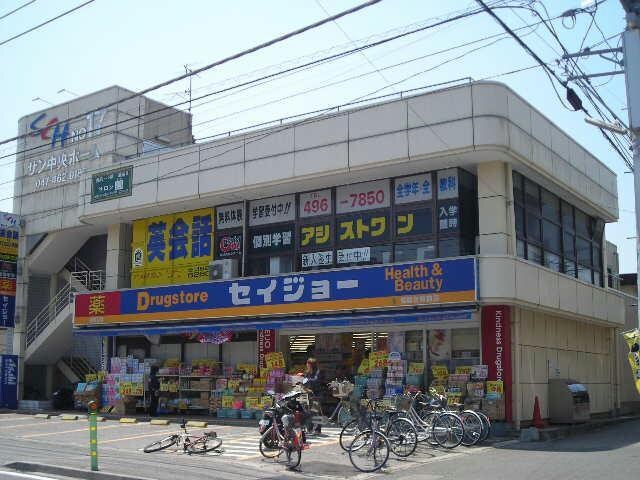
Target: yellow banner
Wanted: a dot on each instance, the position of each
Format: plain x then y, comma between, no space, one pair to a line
463,370
172,249
416,368
274,360
439,371
633,341
495,387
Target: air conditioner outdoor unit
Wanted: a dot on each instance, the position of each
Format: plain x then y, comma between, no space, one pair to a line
223,269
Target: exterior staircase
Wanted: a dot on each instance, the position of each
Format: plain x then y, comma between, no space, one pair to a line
49,336
75,368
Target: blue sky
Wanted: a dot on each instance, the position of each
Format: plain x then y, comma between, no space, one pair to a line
138,44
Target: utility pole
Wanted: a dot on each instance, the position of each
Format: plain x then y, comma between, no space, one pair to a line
631,49
187,70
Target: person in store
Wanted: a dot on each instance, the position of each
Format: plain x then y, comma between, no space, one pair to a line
315,383
154,391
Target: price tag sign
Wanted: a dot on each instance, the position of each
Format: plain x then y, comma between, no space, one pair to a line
247,368
91,377
233,384
454,398
495,387
252,403
274,360
416,368
378,359
440,371
312,204
464,370
479,372
362,196
227,401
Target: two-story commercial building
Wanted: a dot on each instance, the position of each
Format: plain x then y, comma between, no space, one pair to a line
404,243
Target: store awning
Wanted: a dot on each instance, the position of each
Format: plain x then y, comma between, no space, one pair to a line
299,322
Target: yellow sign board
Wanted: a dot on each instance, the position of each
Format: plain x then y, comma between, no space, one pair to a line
274,360
416,368
463,370
227,401
378,359
172,249
439,371
632,338
495,387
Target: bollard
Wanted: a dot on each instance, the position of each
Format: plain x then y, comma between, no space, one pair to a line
93,435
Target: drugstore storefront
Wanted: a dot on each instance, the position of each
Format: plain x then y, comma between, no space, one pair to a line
221,344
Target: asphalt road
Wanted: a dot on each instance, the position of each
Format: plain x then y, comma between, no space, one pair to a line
609,453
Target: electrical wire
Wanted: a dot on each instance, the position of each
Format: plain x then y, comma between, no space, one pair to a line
338,55
21,34
217,63
17,9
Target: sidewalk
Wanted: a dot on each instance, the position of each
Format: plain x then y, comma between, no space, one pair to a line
563,431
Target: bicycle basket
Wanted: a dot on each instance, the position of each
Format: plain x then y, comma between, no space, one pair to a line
341,389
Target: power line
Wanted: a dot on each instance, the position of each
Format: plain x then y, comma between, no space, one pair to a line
326,85
217,63
16,9
338,55
46,22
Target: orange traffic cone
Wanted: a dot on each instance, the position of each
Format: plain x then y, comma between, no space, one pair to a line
537,418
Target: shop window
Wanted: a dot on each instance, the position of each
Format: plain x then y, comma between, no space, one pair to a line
533,226
415,251
552,261
534,253
518,193
597,278
569,245
570,267
531,196
449,247
550,206
584,273
597,257
567,216
519,213
583,249
582,224
551,236
269,265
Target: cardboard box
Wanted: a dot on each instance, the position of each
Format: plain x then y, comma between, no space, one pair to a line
495,409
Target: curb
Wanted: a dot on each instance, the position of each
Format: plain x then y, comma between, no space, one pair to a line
565,431
68,472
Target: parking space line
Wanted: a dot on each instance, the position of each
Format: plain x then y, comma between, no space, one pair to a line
154,434
6,427
32,435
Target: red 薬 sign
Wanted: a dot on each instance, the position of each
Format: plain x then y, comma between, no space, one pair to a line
496,348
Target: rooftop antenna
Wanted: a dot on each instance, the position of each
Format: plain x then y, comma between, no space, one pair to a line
36,99
64,90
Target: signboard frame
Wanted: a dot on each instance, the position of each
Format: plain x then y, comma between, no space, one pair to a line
96,198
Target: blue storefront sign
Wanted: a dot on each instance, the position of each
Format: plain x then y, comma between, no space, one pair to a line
9,381
437,282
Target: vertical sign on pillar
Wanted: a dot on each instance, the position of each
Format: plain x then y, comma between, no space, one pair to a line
496,348
266,344
9,381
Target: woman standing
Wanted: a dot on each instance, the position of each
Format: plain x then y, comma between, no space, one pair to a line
315,382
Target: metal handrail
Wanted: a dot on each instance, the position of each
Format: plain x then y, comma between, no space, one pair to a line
59,302
87,279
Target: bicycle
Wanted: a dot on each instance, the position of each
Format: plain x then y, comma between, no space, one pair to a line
283,439
371,445
400,431
191,444
434,423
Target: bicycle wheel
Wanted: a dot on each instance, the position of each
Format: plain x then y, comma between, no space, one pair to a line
293,455
166,442
472,424
204,445
348,433
402,436
486,426
369,451
447,430
270,443
426,426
